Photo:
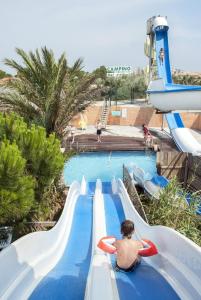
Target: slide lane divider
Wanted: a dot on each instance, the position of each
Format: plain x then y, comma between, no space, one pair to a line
101,283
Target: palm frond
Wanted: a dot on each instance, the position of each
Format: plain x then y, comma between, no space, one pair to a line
48,90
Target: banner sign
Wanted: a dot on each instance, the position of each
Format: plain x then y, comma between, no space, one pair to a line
119,70
116,113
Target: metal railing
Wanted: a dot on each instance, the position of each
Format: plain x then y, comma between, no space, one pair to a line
110,145
104,114
131,189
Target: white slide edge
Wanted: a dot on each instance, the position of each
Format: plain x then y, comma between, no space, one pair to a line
179,259
186,141
27,260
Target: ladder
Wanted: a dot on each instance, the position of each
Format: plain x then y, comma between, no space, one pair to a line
104,114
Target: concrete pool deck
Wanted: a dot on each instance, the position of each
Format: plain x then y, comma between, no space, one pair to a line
115,138
120,138
128,131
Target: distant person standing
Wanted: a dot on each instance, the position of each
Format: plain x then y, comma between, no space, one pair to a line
161,56
148,139
98,131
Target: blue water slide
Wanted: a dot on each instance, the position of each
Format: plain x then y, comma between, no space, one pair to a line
163,93
161,41
164,69
160,180
172,124
190,198
198,211
144,282
174,120
178,120
67,280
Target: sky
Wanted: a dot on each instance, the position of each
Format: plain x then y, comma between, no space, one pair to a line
106,32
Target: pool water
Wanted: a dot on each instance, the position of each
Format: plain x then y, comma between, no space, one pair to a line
107,165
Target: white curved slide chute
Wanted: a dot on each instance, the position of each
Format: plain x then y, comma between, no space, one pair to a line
178,261
172,274
40,265
182,136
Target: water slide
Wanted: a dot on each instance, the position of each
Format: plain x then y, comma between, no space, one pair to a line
167,96
65,262
172,274
52,264
163,93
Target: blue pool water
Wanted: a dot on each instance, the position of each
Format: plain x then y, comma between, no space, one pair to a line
106,165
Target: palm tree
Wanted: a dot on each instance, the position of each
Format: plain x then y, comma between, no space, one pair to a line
48,92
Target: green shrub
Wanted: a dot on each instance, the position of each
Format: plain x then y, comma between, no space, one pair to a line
173,211
16,188
44,161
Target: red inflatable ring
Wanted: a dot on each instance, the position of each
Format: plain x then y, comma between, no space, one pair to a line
105,244
149,249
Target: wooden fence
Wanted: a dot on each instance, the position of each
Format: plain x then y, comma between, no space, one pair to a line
185,166
194,172
133,193
170,164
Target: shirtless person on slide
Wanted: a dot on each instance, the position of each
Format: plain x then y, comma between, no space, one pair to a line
127,249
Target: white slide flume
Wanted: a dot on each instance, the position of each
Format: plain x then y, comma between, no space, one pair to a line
182,136
25,262
52,264
179,259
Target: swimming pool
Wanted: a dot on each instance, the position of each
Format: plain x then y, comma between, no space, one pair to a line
106,165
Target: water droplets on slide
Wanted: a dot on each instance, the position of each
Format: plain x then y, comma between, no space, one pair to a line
67,280
144,282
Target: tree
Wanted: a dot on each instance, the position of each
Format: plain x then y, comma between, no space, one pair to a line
120,88
43,159
100,72
48,92
16,187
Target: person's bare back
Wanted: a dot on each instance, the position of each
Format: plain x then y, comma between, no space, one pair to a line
127,252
